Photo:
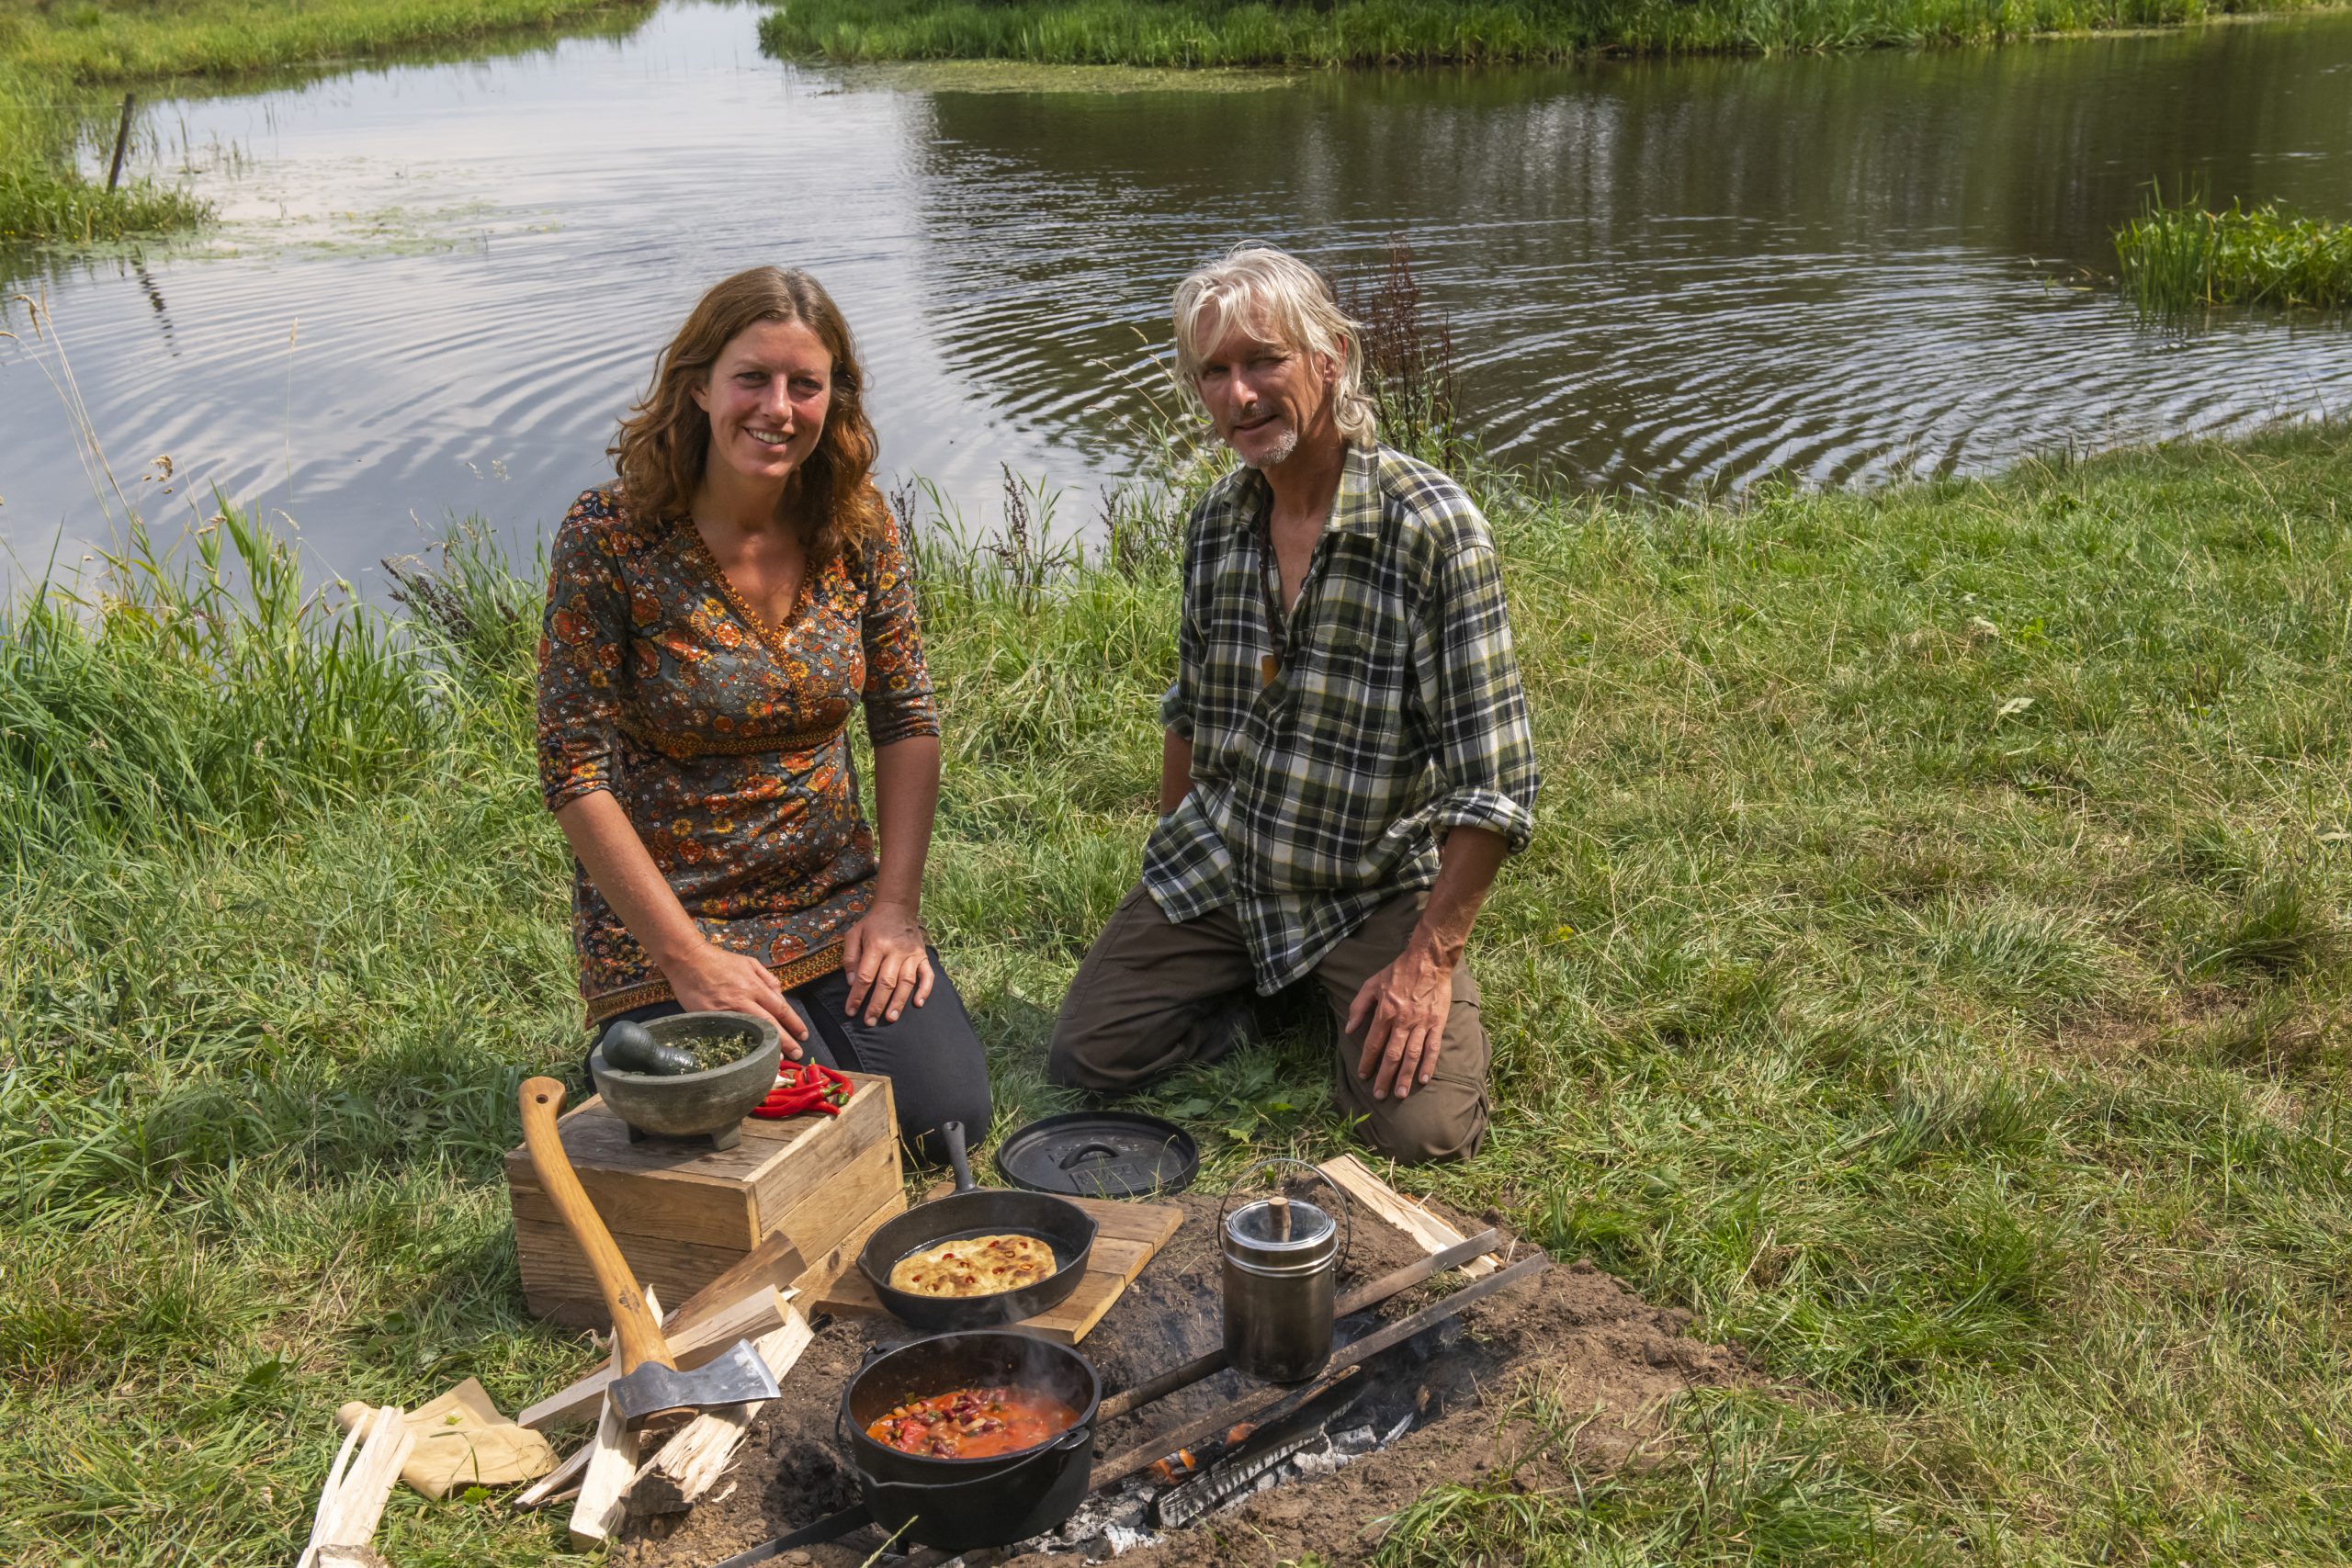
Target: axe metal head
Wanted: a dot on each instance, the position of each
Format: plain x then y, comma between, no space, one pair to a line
733,1377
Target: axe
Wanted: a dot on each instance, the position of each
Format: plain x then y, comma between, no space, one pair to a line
650,1384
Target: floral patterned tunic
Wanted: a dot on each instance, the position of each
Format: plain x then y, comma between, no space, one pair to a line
723,737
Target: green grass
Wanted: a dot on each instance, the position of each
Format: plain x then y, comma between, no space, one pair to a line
2177,258
1930,968
64,65
1204,33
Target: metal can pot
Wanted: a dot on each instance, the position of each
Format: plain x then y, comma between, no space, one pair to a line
1282,1265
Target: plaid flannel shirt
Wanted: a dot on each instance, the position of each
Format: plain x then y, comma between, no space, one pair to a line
1396,714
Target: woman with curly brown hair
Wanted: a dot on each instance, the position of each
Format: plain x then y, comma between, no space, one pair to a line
713,617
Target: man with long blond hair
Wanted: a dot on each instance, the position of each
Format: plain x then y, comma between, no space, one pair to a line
1346,758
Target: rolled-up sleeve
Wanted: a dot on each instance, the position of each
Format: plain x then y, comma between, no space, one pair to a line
1472,694
898,696
583,634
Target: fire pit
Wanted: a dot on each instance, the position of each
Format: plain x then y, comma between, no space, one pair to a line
1320,1461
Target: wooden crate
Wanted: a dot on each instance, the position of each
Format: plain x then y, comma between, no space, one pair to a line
683,1213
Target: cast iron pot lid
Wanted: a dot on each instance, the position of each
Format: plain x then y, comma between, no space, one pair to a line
1099,1153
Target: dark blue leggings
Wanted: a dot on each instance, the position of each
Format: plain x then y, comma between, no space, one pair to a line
937,1070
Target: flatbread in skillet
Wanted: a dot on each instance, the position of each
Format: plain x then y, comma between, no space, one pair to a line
974,1266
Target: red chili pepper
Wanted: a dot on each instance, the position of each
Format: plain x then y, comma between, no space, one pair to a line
803,1087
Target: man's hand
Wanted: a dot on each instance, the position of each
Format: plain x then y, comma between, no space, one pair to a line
885,963
1405,1006
714,980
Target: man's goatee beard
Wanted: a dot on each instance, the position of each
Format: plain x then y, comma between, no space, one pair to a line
1277,453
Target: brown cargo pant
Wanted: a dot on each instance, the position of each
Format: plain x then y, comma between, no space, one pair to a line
1151,994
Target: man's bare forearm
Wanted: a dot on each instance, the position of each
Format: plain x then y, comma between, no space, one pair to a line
1467,862
1175,771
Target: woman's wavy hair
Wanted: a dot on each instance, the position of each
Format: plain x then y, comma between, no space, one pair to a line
664,442
1286,300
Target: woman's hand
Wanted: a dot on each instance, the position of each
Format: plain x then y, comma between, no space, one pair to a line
884,960
714,980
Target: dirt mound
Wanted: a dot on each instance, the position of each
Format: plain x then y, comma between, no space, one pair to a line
1589,1343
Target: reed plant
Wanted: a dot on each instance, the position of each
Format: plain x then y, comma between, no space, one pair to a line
2178,257
63,63
1194,34
1930,969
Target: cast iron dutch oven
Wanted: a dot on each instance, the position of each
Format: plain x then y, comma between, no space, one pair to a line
963,1504
972,1211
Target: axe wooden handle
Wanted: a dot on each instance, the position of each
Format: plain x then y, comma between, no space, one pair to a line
638,1337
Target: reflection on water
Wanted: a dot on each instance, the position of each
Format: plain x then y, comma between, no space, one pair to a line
441,283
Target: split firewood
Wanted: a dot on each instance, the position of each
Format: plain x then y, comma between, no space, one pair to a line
611,1460
762,1312
353,1500
557,1483
1432,1235
597,1513
692,1462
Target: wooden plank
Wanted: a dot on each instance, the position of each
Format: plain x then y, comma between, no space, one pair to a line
692,1462
558,1286
1127,1235
841,1257
698,1212
775,1263
867,1126
1427,1231
818,1221
694,1346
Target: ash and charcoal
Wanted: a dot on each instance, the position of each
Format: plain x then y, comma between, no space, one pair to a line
1402,1390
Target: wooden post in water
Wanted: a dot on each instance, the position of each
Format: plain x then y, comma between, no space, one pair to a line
121,140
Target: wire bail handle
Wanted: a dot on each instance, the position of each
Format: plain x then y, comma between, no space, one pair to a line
1347,1212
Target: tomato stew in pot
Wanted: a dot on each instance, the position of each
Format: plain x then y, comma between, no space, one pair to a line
974,1423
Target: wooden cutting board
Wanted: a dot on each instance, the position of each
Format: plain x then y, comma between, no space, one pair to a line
1126,1236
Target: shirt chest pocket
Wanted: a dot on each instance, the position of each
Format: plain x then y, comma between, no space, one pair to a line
1359,661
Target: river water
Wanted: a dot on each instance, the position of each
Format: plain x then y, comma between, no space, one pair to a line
439,284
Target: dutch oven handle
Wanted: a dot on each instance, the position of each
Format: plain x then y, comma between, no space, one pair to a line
1346,1210
1076,1437
841,1411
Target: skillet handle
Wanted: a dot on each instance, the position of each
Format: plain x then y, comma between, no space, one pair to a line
956,1158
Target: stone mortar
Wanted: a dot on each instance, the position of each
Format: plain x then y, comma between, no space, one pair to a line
711,1103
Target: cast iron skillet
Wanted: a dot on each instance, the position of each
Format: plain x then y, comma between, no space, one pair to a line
972,1211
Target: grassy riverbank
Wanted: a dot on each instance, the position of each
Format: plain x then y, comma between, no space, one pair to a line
1930,967
1200,33
64,65
2178,257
